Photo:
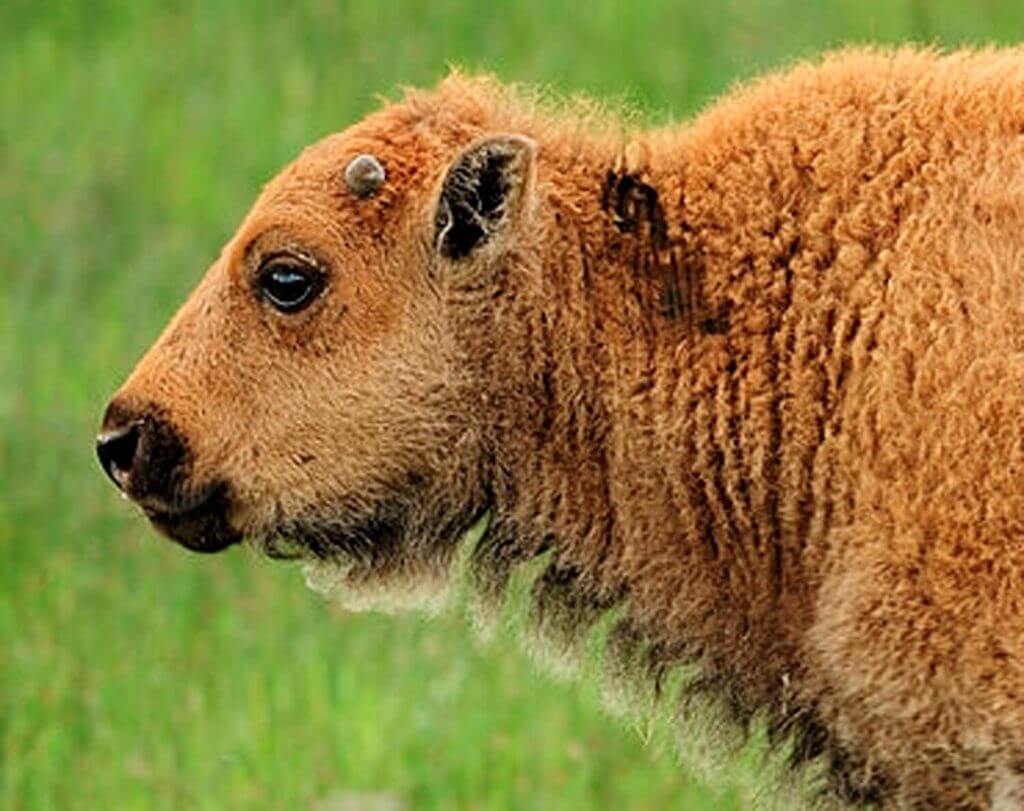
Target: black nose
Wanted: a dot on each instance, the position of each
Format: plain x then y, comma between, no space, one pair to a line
117,450
142,452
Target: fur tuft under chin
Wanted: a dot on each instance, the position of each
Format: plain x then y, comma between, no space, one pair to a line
398,555
428,591
669,701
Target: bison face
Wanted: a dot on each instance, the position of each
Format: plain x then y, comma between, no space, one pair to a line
311,395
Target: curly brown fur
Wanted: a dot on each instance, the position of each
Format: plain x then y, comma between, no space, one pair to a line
754,385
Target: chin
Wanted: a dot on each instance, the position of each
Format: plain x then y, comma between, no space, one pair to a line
202,527
393,554
369,537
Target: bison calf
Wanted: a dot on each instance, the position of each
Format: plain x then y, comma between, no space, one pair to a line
745,395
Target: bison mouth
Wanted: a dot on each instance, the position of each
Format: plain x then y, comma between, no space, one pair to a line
201,525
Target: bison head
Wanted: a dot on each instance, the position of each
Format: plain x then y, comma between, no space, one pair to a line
313,394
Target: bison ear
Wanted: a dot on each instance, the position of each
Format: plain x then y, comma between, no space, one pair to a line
482,194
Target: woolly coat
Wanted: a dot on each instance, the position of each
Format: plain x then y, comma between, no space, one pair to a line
750,389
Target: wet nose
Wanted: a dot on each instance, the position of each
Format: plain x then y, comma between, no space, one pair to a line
142,452
117,450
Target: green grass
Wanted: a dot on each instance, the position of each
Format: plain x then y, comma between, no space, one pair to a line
132,139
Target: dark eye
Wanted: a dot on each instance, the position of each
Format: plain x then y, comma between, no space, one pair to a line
288,286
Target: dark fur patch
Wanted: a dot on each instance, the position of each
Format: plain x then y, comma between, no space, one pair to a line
634,204
367,538
715,325
409,528
636,209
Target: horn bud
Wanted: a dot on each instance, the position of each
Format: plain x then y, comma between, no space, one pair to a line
364,175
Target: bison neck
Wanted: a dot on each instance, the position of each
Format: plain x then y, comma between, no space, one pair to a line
649,387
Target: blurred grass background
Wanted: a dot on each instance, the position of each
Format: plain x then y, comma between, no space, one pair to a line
133,136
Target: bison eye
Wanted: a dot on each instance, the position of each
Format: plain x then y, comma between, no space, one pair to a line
288,286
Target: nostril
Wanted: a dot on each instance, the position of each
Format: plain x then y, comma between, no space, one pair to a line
116,450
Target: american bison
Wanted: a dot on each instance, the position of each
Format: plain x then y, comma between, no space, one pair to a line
745,396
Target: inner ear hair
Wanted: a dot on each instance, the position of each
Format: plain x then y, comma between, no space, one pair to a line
481,193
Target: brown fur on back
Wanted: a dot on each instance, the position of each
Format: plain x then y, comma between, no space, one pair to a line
755,385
